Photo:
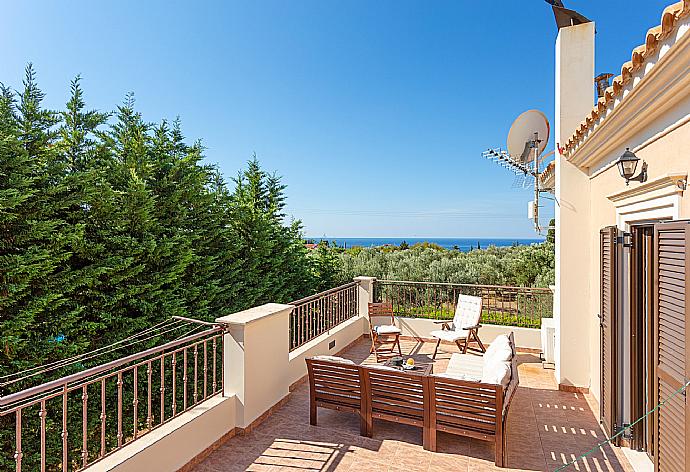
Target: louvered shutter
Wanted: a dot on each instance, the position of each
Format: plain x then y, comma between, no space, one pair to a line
672,420
609,273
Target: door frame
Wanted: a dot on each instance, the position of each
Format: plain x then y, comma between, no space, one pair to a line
631,213
641,334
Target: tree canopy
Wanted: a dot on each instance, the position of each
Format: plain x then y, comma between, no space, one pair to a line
516,265
110,224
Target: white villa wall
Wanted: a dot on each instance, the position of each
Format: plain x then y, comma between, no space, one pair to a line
653,119
665,155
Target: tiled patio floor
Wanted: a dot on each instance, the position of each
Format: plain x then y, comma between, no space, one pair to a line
546,429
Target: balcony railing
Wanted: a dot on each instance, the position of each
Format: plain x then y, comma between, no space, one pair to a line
511,306
316,314
69,423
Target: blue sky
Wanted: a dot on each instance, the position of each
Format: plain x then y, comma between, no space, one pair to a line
375,113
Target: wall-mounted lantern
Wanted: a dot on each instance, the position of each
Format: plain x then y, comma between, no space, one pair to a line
627,164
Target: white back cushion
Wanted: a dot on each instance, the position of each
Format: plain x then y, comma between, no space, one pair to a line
499,349
496,372
342,360
467,312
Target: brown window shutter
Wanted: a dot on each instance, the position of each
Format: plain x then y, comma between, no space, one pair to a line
672,420
609,306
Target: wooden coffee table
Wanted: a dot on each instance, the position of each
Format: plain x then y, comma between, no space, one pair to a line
419,367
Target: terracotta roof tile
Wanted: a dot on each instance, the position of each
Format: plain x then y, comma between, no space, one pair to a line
626,72
669,22
638,56
652,41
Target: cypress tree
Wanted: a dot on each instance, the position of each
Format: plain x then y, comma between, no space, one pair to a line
109,228
326,266
275,265
36,241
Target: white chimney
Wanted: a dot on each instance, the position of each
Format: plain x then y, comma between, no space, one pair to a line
572,313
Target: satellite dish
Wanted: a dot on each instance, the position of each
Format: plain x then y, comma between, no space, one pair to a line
522,133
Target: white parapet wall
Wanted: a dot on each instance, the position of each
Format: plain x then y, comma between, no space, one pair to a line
176,443
526,338
329,343
258,365
339,337
255,359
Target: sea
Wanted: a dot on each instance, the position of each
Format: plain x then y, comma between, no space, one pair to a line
463,244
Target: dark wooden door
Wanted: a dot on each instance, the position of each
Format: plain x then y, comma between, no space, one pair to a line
608,317
672,419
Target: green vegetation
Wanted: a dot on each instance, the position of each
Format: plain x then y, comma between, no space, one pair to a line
110,224
525,266
518,266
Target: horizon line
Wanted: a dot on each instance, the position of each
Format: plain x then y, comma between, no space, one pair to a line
421,237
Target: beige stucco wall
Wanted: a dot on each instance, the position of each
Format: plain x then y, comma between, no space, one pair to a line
666,155
652,118
255,358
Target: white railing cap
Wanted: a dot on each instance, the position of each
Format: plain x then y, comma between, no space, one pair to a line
254,314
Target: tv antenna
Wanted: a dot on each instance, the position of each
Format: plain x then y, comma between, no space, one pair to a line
526,143
565,17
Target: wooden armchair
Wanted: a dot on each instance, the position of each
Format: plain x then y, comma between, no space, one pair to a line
383,334
465,325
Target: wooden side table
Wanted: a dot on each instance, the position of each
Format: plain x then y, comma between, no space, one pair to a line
419,368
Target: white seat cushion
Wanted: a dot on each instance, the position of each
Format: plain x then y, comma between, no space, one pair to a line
445,335
465,377
382,367
342,360
387,329
465,367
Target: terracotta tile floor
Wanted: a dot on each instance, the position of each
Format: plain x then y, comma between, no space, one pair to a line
546,429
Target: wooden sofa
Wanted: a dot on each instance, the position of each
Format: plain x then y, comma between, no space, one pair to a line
433,403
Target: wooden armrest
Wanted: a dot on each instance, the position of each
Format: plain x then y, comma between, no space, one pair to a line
445,324
470,328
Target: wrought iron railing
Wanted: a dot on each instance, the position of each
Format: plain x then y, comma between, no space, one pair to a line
316,314
511,306
59,426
